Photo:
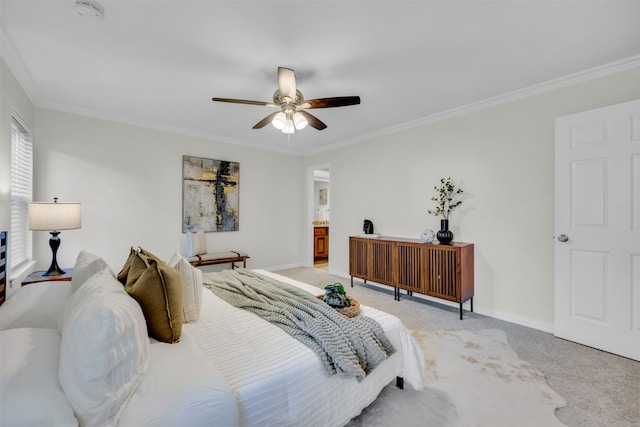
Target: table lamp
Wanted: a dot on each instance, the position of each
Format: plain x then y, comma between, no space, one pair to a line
53,217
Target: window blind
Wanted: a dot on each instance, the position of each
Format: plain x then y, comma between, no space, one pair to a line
21,193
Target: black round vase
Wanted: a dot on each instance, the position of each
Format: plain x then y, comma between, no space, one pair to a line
444,235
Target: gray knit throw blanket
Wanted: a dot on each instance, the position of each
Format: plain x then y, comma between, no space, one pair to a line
350,347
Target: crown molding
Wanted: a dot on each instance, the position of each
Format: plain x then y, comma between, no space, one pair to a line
16,64
569,80
85,112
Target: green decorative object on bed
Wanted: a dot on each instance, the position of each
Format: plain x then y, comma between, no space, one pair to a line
335,296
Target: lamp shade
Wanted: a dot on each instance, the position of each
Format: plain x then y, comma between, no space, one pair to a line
54,216
279,120
299,120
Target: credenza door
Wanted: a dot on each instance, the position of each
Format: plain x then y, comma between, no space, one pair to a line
359,258
381,266
444,273
411,267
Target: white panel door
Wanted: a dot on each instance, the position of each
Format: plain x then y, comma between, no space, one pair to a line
597,226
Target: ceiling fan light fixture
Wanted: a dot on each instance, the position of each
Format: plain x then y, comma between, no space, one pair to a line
300,121
289,99
289,127
279,121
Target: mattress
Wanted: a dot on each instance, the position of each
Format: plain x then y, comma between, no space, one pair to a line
279,381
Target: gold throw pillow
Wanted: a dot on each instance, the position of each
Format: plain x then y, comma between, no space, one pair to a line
158,290
122,276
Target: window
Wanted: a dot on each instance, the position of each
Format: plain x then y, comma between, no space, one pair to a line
21,192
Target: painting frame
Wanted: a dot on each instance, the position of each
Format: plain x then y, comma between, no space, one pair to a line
210,195
323,196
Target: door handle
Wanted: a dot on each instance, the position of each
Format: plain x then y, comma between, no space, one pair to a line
563,238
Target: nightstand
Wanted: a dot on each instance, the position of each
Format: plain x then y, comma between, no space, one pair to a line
37,276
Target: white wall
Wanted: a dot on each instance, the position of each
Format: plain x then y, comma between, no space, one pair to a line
503,157
129,181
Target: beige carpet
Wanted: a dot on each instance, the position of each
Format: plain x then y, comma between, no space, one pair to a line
471,379
600,389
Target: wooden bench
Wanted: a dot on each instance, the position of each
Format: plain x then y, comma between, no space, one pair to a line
219,258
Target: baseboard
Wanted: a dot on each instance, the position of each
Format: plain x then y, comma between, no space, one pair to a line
284,267
507,317
518,320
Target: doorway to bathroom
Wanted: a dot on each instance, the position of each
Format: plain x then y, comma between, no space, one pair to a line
321,215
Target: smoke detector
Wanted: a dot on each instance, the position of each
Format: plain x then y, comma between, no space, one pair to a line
89,8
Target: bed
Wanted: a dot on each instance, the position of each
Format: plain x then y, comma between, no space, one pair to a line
228,368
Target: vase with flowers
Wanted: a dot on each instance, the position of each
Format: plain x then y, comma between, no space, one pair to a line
447,198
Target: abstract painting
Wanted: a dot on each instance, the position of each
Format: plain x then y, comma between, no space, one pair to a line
210,194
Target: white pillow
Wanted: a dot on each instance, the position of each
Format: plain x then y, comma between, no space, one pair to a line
196,243
38,305
191,288
31,393
86,266
104,351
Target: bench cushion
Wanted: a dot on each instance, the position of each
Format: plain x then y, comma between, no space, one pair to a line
213,256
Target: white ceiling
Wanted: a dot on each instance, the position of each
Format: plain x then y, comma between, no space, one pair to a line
158,63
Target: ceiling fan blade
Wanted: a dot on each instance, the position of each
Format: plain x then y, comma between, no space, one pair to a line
336,101
314,122
287,82
262,123
244,101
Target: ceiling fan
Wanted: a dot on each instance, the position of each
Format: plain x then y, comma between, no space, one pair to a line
292,105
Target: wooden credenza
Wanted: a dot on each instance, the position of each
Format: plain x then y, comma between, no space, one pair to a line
437,270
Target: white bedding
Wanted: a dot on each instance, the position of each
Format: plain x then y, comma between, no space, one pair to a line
230,368
180,388
279,381
30,393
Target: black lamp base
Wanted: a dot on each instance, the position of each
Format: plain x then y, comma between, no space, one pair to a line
54,243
